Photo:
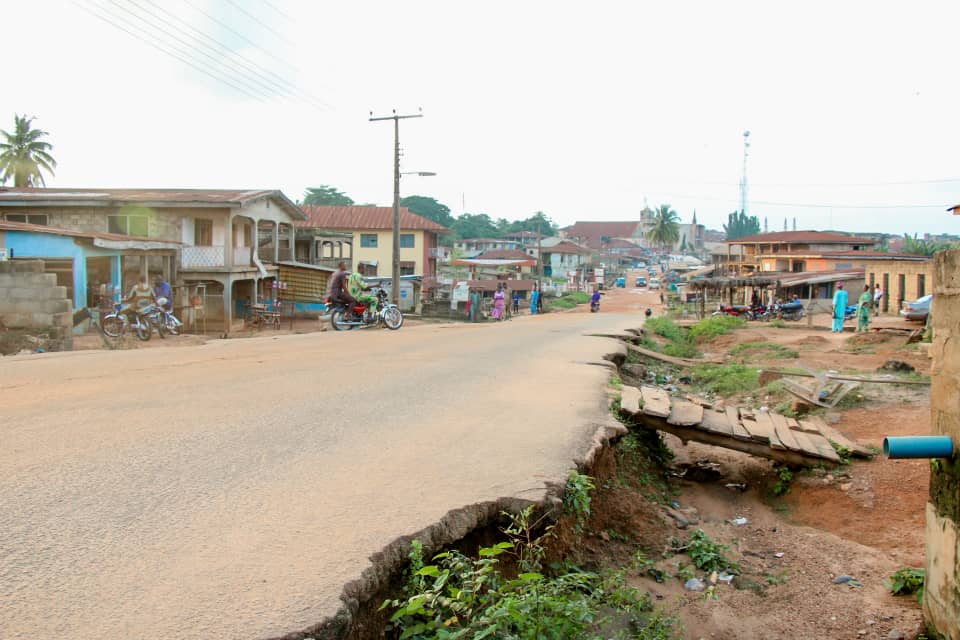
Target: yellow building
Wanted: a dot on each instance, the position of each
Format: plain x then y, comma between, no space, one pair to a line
369,249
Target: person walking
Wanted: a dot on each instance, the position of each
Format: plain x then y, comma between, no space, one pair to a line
840,300
863,309
534,301
498,303
516,303
877,295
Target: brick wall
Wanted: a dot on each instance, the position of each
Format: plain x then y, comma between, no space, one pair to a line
31,303
910,270
941,600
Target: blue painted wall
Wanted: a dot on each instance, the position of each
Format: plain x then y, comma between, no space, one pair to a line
26,244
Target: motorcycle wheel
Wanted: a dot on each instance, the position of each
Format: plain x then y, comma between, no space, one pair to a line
392,318
337,321
144,329
160,326
172,325
112,325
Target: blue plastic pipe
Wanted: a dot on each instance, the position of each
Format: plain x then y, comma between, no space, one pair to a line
918,447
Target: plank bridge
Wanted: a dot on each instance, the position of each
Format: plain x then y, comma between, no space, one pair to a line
804,442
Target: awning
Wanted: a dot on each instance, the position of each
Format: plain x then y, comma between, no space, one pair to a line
137,245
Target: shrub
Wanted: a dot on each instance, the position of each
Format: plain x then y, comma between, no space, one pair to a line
579,297
706,554
907,581
665,328
725,379
710,328
773,350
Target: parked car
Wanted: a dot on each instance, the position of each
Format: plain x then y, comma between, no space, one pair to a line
621,282
919,309
654,283
641,281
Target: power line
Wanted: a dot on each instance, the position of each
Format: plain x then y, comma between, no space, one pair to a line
237,33
174,53
277,9
260,22
265,74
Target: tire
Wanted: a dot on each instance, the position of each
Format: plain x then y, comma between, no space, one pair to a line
172,325
392,318
144,329
337,321
112,325
156,322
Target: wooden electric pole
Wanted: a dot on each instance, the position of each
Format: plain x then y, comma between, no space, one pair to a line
395,276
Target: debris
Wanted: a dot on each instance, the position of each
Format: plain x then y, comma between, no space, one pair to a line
739,521
778,554
736,486
726,578
896,365
701,471
845,486
694,584
656,574
844,579
862,632
605,536
896,634
743,583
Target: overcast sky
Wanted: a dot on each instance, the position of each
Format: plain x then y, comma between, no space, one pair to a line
581,110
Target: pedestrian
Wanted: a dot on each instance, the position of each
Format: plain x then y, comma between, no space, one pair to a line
498,303
534,301
863,309
877,295
839,308
516,303
540,300
162,291
661,297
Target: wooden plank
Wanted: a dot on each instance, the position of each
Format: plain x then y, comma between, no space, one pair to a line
656,402
630,399
717,422
793,424
763,419
685,414
823,446
783,432
680,362
735,427
832,434
757,433
809,427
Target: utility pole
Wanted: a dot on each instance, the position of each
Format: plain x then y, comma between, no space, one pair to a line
539,260
395,277
743,180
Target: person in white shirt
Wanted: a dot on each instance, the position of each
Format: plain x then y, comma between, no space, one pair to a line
877,294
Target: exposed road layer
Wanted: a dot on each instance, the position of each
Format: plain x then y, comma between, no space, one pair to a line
231,490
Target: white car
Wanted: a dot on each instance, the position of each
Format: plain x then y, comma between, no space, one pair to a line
654,283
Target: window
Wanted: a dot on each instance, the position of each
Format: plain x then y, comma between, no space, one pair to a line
406,241
29,218
407,268
921,285
368,240
203,232
128,225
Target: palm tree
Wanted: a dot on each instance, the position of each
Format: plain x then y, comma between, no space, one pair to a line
664,231
23,154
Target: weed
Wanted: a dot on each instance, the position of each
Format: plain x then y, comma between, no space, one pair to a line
784,478
785,408
684,572
725,380
708,555
616,382
680,349
665,328
842,451
576,498
779,578
713,327
777,323
769,350
907,581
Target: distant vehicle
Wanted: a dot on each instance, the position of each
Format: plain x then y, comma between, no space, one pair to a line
918,310
652,272
640,265
621,282
641,282
654,283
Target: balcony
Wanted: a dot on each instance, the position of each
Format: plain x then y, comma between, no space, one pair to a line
437,252
213,257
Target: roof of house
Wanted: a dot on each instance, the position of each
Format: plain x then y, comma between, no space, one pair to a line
802,237
92,235
354,217
867,254
36,196
503,254
622,243
566,247
592,233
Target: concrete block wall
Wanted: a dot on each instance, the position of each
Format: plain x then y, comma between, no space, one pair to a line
32,302
941,600
893,269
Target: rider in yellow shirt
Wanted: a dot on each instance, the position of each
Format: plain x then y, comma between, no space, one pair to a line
356,286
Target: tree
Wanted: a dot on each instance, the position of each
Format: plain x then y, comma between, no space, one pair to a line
740,225
475,225
920,247
23,154
325,194
664,229
430,209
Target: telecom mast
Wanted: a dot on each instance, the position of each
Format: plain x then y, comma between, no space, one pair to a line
743,180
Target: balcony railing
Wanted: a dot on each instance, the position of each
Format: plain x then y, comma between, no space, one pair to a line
201,257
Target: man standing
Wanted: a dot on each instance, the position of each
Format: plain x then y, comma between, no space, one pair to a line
839,308
161,289
877,294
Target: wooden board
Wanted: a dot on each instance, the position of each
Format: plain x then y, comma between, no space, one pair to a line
656,402
809,427
736,428
806,444
630,399
824,447
685,414
756,431
763,419
832,434
783,432
793,424
717,422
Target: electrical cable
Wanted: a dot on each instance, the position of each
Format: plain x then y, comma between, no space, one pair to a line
260,22
236,33
277,9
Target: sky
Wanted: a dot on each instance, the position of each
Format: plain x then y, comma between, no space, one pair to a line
582,110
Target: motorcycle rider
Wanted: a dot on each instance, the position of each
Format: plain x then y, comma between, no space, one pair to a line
339,292
141,296
161,289
595,299
357,287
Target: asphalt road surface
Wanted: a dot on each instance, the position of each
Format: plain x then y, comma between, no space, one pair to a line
230,490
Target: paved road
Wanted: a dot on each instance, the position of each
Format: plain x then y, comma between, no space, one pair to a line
230,490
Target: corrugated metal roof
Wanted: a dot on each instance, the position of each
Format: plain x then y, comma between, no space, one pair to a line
566,247
36,196
807,237
867,255
503,254
353,217
592,233
116,237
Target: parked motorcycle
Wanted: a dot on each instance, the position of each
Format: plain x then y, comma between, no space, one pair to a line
789,310
344,317
759,312
735,310
162,320
118,322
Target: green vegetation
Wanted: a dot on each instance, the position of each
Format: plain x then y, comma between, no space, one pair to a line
665,328
784,478
569,300
707,555
664,228
616,382
725,380
24,155
842,451
739,225
576,498
770,350
907,581
777,323
457,597
710,328
326,195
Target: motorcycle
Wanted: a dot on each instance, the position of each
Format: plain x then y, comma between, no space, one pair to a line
344,317
789,310
117,323
164,321
594,306
759,312
735,310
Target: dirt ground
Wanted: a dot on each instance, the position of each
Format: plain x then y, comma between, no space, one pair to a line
866,520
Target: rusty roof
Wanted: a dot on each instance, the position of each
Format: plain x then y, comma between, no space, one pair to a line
54,231
354,217
503,254
36,196
592,233
802,237
566,247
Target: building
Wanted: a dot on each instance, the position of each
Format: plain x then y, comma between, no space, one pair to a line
473,247
562,260
792,251
902,277
369,248
596,236
228,242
